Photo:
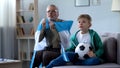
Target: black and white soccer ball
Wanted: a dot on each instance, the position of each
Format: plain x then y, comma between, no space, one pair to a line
82,49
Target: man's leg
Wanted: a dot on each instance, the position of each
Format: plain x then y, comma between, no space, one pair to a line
48,56
38,59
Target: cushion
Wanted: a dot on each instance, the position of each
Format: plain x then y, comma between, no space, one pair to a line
110,50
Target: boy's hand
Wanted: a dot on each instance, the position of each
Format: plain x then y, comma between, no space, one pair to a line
91,54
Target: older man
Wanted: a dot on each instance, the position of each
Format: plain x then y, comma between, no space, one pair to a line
48,37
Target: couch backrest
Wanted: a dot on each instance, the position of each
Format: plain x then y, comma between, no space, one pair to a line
111,42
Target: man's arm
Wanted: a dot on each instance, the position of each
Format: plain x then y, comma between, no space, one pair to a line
42,32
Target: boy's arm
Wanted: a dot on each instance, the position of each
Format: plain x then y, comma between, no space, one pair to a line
99,45
41,36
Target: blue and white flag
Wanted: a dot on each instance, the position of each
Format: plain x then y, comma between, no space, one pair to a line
65,57
65,25
60,26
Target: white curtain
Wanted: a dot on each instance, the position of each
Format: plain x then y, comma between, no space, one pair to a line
8,47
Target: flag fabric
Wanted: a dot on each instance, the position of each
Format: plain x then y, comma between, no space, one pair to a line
63,29
40,66
65,25
65,57
60,26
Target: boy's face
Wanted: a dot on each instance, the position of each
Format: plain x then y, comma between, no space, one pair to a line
84,24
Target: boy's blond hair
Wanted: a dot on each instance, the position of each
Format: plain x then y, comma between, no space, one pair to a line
88,17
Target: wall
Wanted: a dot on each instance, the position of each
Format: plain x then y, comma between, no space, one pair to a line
104,20
0,42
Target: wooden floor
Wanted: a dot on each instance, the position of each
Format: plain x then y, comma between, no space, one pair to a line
11,64
14,64
25,64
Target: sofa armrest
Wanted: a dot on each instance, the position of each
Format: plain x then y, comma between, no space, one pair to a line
118,48
107,35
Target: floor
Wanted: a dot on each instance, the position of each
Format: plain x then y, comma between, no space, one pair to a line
25,64
7,63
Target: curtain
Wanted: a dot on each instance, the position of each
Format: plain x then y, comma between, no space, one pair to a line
8,47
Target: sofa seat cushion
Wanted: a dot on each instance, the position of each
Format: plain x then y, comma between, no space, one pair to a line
105,65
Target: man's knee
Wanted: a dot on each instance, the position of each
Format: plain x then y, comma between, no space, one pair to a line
48,56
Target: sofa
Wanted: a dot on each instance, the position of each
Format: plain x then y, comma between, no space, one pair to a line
111,42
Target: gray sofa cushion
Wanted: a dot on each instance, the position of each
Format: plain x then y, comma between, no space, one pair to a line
110,50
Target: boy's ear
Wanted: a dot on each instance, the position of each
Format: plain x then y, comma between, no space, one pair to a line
90,25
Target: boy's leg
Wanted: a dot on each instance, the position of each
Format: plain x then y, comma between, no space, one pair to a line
73,57
59,61
92,61
89,61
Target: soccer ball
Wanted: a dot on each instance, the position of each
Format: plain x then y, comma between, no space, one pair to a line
82,49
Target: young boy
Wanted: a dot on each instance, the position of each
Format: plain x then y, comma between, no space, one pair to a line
87,35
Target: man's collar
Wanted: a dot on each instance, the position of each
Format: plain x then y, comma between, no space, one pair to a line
55,20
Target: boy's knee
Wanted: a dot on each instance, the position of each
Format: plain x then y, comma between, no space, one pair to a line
92,61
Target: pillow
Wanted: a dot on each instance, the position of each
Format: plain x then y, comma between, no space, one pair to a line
110,50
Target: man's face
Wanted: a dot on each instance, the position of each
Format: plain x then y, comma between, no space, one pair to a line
52,12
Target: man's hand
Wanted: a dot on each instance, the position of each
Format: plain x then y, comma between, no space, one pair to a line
52,25
44,23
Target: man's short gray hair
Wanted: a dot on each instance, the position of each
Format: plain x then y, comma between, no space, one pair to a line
52,5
